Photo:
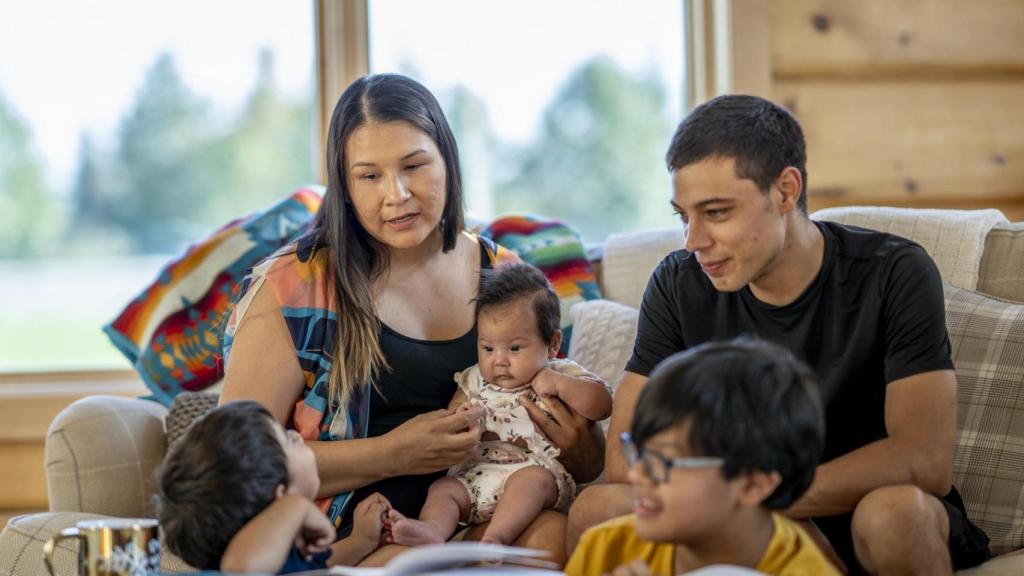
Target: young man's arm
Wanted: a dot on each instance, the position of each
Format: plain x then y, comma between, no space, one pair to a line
920,418
265,542
626,396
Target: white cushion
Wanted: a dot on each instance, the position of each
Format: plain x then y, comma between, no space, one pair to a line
955,239
602,338
630,258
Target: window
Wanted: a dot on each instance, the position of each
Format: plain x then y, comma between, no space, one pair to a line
127,130
563,108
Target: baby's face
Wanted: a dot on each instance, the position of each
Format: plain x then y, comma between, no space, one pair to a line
305,480
509,345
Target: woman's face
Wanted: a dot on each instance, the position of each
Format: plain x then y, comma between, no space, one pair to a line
397,181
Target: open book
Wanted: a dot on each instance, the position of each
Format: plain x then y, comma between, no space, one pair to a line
462,558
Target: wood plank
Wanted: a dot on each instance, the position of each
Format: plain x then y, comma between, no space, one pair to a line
751,48
28,406
839,37
1014,210
917,142
22,476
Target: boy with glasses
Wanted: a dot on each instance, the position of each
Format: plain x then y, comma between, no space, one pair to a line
723,435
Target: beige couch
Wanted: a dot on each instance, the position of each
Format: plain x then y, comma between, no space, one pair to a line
101,451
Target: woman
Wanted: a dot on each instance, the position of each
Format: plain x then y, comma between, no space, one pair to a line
353,334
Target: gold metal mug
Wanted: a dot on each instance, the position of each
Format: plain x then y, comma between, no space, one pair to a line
112,547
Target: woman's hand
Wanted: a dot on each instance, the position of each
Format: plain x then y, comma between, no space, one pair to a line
435,440
579,440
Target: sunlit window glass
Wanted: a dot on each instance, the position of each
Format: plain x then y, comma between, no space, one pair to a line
561,108
129,129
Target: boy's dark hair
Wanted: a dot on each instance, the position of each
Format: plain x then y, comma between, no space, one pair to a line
509,282
223,472
747,401
762,137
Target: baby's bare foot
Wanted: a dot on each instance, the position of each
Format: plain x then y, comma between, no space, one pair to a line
410,532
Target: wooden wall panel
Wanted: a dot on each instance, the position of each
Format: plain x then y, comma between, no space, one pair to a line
22,476
888,37
28,403
940,144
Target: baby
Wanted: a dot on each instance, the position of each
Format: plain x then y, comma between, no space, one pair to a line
517,473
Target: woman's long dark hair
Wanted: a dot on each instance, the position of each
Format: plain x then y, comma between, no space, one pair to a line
353,257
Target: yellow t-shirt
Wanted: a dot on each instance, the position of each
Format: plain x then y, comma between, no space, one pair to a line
790,552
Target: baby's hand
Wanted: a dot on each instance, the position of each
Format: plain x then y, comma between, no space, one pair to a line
545,383
368,519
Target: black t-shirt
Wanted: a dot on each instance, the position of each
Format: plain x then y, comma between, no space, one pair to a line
874,314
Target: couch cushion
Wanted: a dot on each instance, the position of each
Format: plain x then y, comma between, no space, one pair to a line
955,239
21,546
1002,266
603,338
101,452
987,337
630,258
171,331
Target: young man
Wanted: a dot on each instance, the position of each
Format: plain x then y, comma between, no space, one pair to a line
863,309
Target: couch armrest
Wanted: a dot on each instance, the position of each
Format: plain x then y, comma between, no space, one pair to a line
101,453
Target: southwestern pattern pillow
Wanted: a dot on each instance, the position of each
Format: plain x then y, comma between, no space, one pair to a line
171,332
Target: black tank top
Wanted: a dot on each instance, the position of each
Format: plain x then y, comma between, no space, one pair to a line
420,380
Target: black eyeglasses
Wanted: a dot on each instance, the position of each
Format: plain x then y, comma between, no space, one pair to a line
658,467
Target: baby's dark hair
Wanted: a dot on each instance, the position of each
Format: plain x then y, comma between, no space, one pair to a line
510,282
221,474
747,401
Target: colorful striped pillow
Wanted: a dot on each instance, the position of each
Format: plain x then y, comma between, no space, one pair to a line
557,250
171,332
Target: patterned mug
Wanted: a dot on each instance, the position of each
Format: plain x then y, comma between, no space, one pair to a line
112,547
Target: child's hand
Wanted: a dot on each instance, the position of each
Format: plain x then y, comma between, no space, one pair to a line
317,532
545,383
368,519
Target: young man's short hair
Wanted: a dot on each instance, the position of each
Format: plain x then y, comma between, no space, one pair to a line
510,282
762,137
749,402
221,474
